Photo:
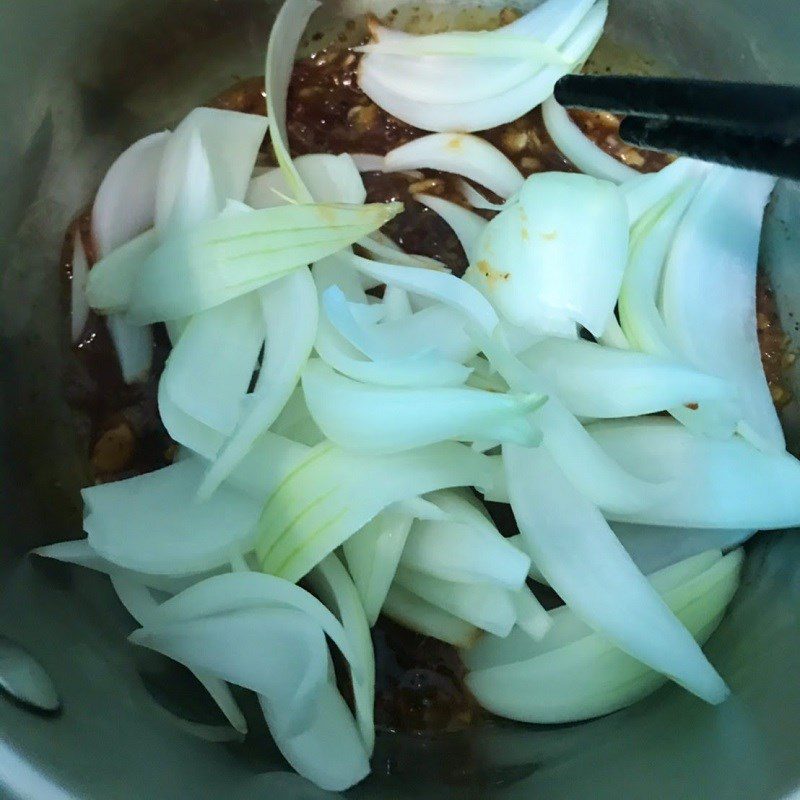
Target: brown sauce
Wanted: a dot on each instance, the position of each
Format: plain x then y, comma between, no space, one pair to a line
419,680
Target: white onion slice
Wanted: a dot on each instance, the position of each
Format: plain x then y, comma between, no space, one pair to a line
284,39
125,203
589,677
335,493
235,254
531,615
368,162
164,530
334,587
476,199
79,304
288,304
557,256
598,382
487,607
329,179
584,562
376,419
373,555
417,614
466,225
715,483
378,244
715,255
579,149
460,154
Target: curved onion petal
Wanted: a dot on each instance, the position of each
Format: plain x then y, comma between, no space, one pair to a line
440,286
237,253
288,304
373,555
335,493
125,203
474,198
589,677
200,383
461,154
421,616
284,39
207,160
497,107
715,483
164,530
579,149
79,303
368,162
396,304
378,244
715,255
483,605
584,562
376,419
557,256
335,588
466,225
531,615
596,381
133,345
141,605
329,179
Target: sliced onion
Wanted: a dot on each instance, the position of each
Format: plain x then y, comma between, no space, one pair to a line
461,154
235,254
335,588
584,562
329,179
335,493
715,483
475,198
368,162
715,255
134,347
283,41
596,381
376,419
417,614
373,555
378,244
487,607
557,257
79,304
589,677
531,615
579,149
288,304
164,530
466,225
125,203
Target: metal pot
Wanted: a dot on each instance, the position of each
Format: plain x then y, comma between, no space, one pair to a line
79,79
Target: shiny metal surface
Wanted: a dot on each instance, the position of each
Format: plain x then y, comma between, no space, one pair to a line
78,80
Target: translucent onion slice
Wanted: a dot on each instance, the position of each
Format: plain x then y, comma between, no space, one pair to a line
579,149
329,179
235,254
288,304
335,493
417,614
164,530
466,225
373,555
461,154
556,257
204,386
715,254
125,203
476,199
133,345
284,39
584,562
531,615
79,304
368,162
483,605
211,147
493,109
599,382
376,419
715,483
335,588
380,246
589,677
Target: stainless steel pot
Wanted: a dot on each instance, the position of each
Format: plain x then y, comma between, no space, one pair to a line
78,80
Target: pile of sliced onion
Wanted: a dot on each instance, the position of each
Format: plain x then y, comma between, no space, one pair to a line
343,437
